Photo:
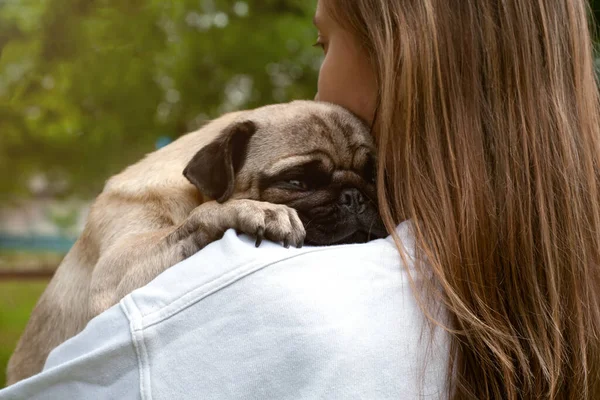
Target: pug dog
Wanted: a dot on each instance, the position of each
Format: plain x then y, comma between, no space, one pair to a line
295,173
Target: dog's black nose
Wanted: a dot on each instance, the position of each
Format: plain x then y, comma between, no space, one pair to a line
353,200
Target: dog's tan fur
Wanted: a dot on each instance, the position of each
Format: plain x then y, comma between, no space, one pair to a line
149,217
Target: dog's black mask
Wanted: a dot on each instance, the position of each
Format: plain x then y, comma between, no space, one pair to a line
335,206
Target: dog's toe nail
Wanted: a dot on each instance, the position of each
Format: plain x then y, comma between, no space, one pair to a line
260,234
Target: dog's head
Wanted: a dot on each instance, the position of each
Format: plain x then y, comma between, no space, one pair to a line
314,157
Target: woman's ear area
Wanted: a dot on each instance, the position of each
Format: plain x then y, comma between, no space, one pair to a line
212,169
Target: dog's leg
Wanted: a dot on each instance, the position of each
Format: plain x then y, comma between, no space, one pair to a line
139,258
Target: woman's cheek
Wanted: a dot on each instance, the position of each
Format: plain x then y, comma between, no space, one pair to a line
329,83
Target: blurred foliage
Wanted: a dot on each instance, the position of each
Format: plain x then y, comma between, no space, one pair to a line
89,86
595,7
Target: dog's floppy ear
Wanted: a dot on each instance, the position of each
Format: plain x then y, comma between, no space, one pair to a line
213,168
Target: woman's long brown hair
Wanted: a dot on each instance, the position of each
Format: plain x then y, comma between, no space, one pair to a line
489,137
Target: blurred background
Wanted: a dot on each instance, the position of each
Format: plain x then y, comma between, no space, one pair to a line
89,86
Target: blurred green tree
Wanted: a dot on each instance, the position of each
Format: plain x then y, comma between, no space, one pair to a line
87,87
595,7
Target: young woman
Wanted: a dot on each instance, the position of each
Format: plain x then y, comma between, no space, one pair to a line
486,115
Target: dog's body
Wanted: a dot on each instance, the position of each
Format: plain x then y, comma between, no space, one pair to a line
149,217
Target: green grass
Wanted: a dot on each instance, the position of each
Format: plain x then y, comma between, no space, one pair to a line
17,299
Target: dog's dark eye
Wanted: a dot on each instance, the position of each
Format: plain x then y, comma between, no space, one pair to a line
298,184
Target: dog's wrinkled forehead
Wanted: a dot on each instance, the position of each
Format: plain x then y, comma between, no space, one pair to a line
304,131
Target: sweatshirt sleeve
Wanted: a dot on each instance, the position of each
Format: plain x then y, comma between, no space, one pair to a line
99,363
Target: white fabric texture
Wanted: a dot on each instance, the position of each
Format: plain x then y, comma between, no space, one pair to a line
237,322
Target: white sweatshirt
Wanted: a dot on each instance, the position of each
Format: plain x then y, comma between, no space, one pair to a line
236,322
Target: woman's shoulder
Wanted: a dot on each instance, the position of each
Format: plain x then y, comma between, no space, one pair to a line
235,263
234,321
340,321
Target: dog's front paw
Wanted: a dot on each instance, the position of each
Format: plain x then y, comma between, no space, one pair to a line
263,220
